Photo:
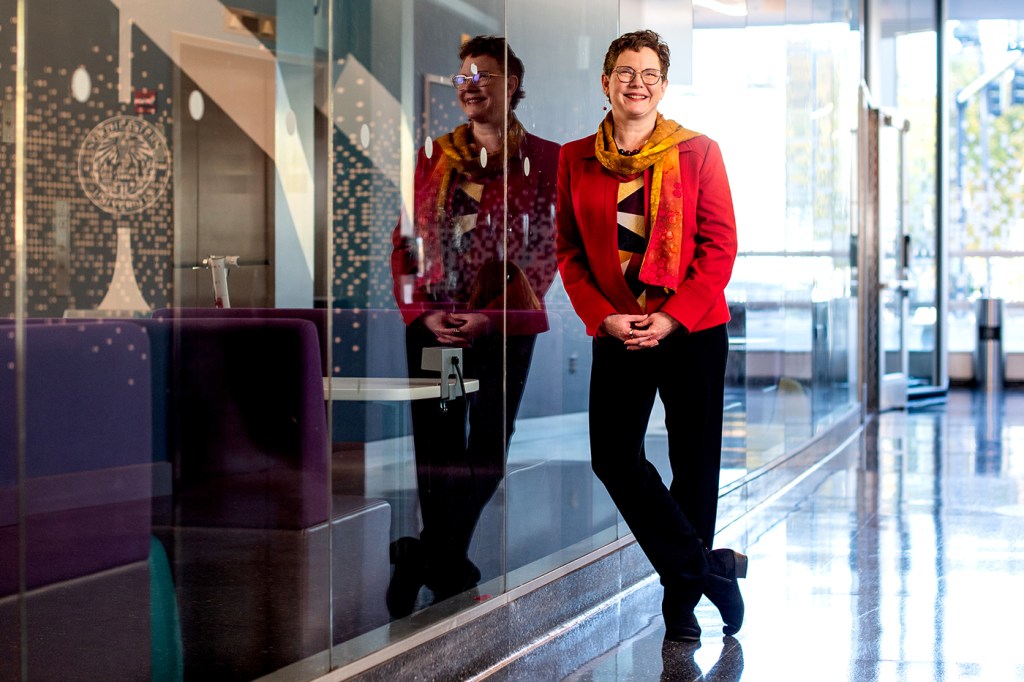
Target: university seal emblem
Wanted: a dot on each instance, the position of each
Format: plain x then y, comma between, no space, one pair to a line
124,165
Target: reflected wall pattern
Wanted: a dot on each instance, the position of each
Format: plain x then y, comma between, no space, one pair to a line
270,491
72,250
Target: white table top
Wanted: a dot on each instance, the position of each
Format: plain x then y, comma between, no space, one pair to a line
387,388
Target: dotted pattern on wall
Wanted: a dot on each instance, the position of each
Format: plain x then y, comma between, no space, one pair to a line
59,216
364,195
367,195
8,55
368,201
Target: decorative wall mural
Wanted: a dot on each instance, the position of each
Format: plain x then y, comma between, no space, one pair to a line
72,240
124,165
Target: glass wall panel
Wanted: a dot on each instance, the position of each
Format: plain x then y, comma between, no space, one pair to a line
986,72
557,509
172,513
487,491
792,365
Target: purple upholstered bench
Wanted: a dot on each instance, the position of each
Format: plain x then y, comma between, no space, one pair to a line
318,316
247,430
353,335
251,520
86,498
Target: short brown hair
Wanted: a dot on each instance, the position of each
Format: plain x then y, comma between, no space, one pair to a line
495,46
636,41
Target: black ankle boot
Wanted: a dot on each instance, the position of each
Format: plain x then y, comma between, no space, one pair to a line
725,568
451,578
407,579
677,606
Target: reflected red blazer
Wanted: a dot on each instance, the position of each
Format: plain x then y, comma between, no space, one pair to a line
587,237
525,204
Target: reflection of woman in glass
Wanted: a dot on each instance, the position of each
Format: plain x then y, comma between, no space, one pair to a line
473,276
646,244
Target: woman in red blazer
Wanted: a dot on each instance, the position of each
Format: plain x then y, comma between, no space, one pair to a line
646,243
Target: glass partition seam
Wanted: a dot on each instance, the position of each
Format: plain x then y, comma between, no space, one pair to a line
20,288
942,200
328,346
502,540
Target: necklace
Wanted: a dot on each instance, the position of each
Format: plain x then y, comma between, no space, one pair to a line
632,152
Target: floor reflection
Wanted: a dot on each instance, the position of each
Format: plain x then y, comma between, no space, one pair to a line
679,662
902,563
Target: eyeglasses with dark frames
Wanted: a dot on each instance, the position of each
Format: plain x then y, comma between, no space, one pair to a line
479,78
626,74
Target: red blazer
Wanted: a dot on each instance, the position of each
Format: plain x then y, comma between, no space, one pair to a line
587,238
530,243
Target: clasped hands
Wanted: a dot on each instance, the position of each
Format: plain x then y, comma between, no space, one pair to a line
456,329
638,332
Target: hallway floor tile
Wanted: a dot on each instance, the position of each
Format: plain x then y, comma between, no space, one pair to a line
904,562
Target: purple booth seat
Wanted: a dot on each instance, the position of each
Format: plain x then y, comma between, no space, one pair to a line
361,343
251,520
318,316
354,335
159,382
86,501
247,434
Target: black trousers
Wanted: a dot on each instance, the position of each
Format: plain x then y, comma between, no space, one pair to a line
461,451
671,524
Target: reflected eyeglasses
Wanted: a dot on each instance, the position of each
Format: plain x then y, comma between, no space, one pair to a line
478,78
626,74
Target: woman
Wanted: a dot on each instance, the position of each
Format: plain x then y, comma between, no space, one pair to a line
472,275
646,244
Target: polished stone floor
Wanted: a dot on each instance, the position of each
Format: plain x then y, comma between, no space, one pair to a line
901,559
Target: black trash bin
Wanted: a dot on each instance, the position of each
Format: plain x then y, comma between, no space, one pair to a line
988,354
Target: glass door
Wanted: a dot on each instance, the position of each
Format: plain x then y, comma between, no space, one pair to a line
894,247
908,82
912,92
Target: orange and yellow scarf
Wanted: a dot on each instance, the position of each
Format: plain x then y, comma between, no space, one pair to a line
660,266
460,155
